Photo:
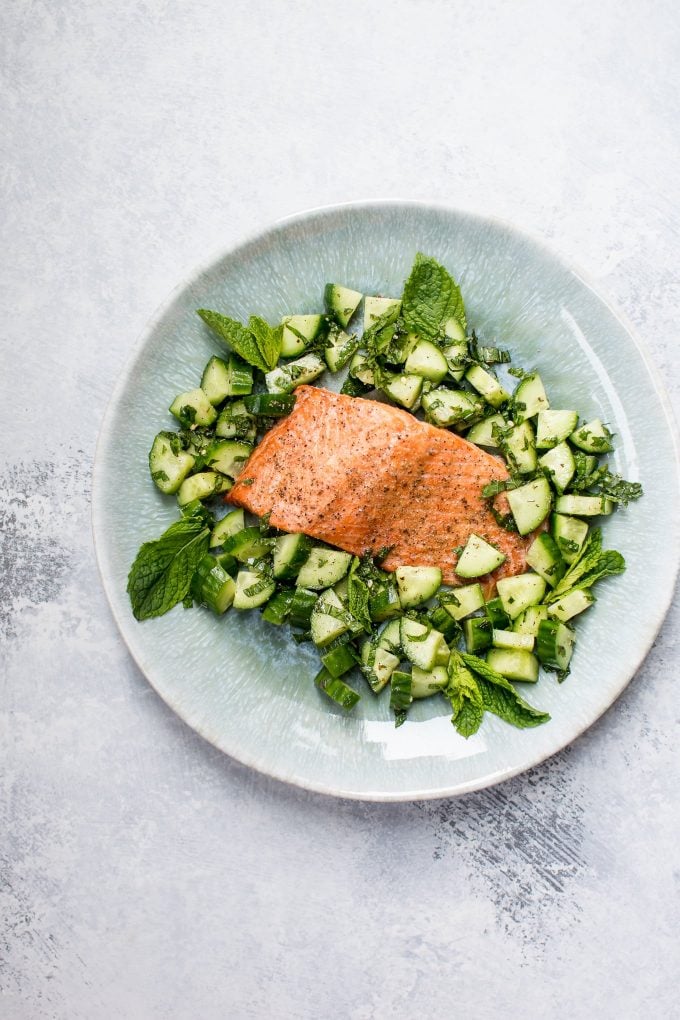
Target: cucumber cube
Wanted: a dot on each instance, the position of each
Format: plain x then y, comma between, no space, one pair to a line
428,361
463,601
193,408
519,592
530,504
478,557
374,307
487,385
546,559
341,302
514,664
425,683
417,584
571,604
529,398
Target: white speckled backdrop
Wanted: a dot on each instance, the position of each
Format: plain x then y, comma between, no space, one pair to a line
143,873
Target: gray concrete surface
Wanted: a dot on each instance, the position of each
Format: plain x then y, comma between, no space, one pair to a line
144,874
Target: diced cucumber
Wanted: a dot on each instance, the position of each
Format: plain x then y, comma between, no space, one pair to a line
231,523
529,621
290,554
555,644
193,408
417,584
487,385
463,601
215,380
419,643
374,307
169,464
336,689
323,568
340,347
328,620
277,609
456,355
247,544
339,658
593,437
478,557
229,562
298,333
519,592
454,330
513,639
285,378
583,506
377,665
546,559
253,589
519,447
478,633
529,398
402,346
514,664
450,407
559,465
212,586
341,302
384,603
530,504
495,612
571,604
570,534
202,486
232,378
482,433
360,369
440,620
228,456
235,422
401,697
553,427
425,683
341,588
404,390
444,653
427,361
269,405
301,607
390,637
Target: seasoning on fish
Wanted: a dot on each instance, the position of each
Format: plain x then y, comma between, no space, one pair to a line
363,475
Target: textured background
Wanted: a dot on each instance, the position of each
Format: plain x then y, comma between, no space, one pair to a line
143,873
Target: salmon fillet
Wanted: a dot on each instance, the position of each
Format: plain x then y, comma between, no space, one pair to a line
362,475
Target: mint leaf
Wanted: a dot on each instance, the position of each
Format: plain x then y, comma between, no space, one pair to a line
501,698
161,574
358,591
267,338
431,298
236,336
592,565
465,696
381,330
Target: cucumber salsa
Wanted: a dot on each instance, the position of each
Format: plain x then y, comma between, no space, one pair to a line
402,630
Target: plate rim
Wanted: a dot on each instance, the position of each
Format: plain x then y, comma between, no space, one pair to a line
97,503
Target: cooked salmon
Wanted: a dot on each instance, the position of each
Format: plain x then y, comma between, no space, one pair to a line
363,475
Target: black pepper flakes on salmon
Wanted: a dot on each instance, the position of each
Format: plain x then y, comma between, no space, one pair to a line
361,474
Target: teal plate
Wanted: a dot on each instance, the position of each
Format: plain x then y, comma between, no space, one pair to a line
244,685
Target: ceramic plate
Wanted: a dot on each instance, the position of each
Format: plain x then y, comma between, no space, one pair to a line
244,685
